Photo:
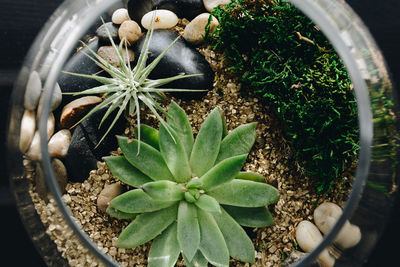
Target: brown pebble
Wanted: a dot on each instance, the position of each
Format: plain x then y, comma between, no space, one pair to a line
108,54
107,194
60,173
130,30
195,31
76,109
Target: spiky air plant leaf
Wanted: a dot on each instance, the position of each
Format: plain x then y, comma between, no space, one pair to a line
128,87
191,194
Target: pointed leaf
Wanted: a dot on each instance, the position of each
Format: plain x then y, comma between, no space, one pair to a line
120,215
179,122
174,154
250,217
237,142
197,261
212,242
208,204
223,172
137,201
251,176
164,190
206,147
164,251
146,227
149,160
188,229
239,244
224,127
149,135
123,170
243,193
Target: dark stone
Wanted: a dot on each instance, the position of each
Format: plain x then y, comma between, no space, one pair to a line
78,63
180,58
101,32
182,8
188,9
83,154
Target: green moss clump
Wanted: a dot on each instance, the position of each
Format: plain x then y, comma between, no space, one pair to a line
284,59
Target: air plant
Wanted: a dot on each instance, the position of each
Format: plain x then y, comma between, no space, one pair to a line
128,87
190,196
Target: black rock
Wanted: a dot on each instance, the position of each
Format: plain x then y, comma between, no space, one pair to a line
182,8
82,153
102,34
188,9
180,58
78,63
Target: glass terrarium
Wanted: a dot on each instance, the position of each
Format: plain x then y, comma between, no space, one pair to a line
189,133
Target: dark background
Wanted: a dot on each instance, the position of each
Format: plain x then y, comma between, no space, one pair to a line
21,20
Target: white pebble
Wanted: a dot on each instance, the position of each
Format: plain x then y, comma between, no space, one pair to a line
326,216
120,15
308,237
28,124
162,19
55,100
59,144
34,149
195,31
33,91
211,4
130,30
51,125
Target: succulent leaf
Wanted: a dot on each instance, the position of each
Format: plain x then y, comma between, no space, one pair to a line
223,172
212,242
206,147
126,172
146,227
137,201
194,183
197,261
188,229
149,135
251,176
250,217
243,193
149,160
189,197
237,142
174,154
208,204
164,250
180,124
119,214
224,127
164,190
239,244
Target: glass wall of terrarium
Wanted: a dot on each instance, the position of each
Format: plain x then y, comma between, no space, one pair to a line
187,133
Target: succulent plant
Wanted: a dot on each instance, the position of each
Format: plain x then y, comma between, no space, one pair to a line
190,196
127,87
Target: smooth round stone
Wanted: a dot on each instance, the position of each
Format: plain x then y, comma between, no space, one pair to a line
34,149
159,19
28,124
51,125
195,31
295,256
33,91
55,100
211,4
180,58
130,30
77,109
308,237
120,15
59,144
108,193
103,34
326,216
108,54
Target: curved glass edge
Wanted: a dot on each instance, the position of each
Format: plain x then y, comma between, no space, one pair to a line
370,201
